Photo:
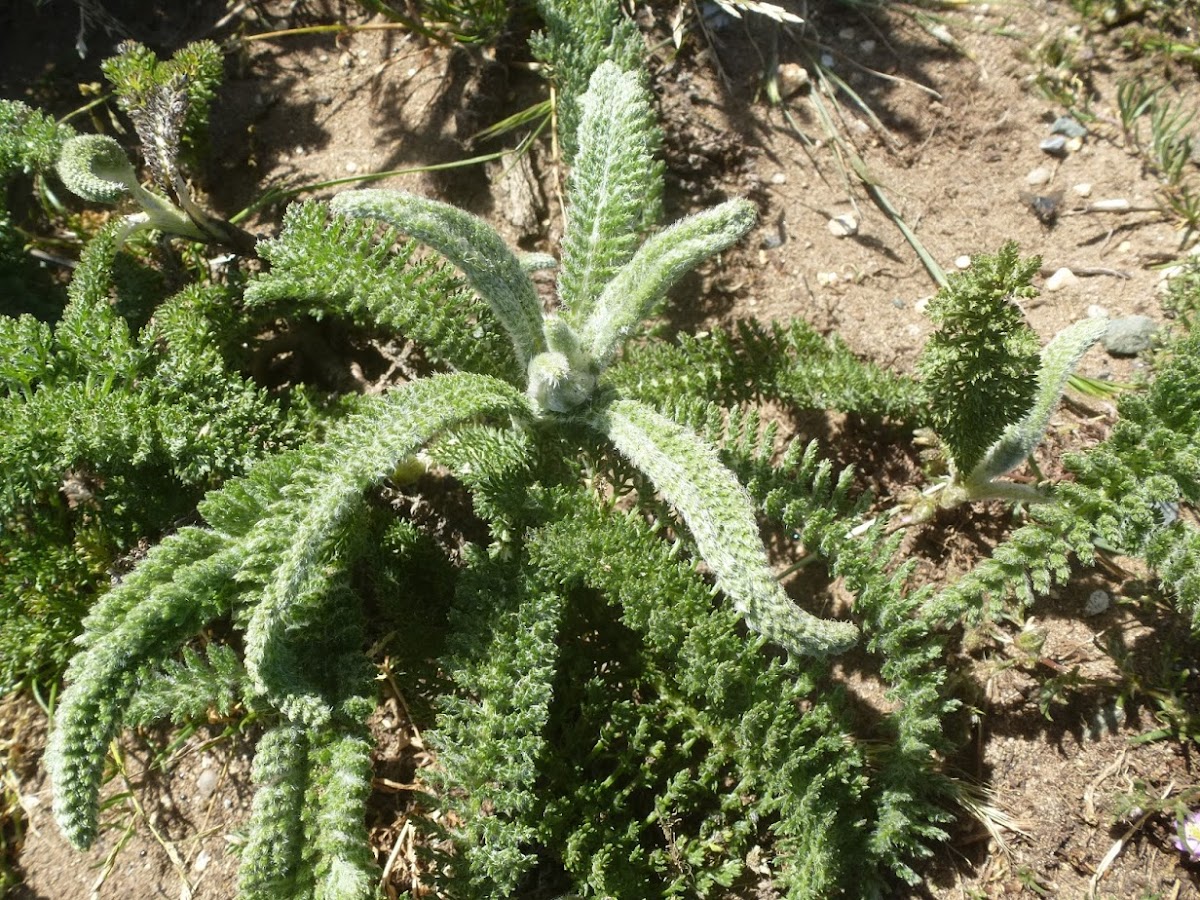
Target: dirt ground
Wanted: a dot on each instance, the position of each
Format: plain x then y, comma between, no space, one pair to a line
963,122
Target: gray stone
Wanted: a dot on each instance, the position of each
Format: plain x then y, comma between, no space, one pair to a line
1130,335
1069,127
1055,146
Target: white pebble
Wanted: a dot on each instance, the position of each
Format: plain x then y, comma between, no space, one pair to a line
846,34
827,278
922,304
1125,246
1096,311
792,78
827,60
1097,602
206,783
867,47
203,858
1083,189
778,178
1063,278
1038,176
843,225
963,262
351,167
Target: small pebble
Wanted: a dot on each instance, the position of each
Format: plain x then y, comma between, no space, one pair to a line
867,47
1074,145
778,178
1130,335
827,60
846,34
827,278
942,34
793,78
351,167
1063,278
844,225
1096,311
963,262
206,783
922,304
1083,189
1067,126
203,858
898,302
1038,176
1097,602
1055,146
1125,246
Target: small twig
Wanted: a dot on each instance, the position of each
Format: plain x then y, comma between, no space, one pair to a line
1089,793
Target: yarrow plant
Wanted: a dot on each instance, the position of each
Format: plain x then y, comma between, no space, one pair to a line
282,543
627,702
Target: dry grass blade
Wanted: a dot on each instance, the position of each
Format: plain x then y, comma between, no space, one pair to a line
735,8
1115,850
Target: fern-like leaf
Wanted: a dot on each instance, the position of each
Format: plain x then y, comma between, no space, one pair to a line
612,176
332,265
720,515
325,499
979,368
272,859
491,734
188,581
665,258
1020,439
472,245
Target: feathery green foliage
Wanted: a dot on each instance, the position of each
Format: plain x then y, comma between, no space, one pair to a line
609,179
29,144
1125,496
325,265
990,393
186,690
110,435
283,543
979,368
29,140
503,654
752,362
579,36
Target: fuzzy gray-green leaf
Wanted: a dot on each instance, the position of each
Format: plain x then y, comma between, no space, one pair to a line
493,270
642,282
1059,359
613,175
95,167
360,453
720,515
